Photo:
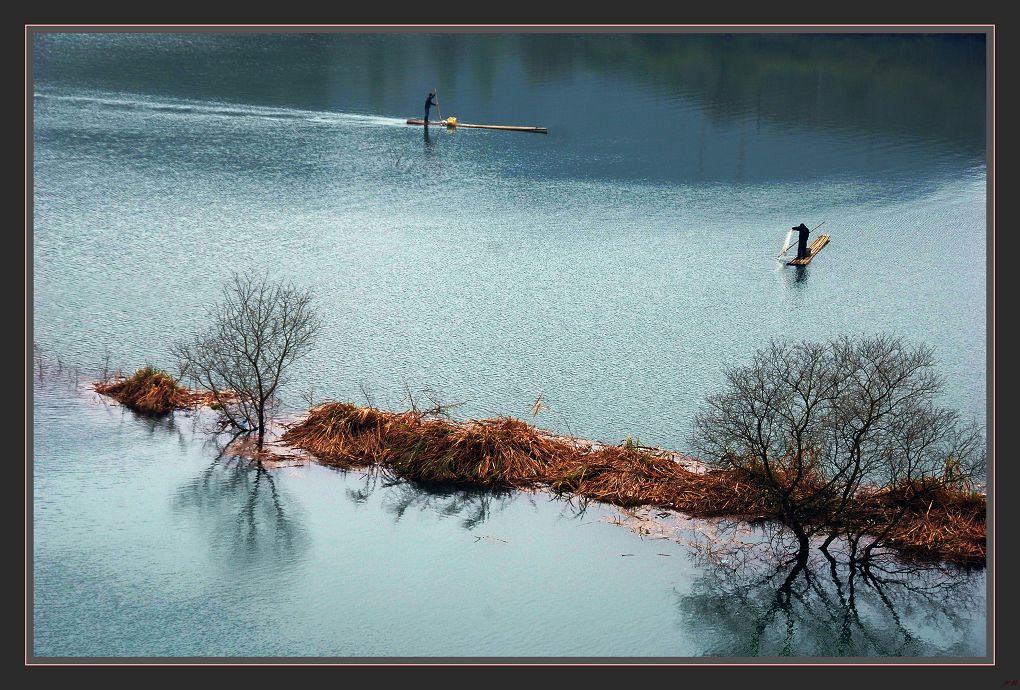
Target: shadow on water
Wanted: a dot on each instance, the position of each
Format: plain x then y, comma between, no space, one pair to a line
156,423
754,601
472,506
244,512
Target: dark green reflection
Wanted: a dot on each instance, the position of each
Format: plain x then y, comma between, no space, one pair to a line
742,107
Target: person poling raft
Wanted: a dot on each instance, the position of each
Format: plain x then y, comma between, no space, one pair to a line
452,123
429,102
804,252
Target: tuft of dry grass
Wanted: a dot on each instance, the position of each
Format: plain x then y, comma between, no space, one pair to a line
623,475
349,436
938,522
154,392
503,452
942,534
149,391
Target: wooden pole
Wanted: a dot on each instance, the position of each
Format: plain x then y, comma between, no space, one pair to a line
504,127
798,240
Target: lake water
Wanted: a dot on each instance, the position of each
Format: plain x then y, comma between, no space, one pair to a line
616,265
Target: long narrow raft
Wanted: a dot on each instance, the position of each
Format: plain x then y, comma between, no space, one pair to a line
509,128
813,249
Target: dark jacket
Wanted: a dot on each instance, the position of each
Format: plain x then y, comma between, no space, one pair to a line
802,240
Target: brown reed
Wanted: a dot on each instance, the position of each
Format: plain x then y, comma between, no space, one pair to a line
149,391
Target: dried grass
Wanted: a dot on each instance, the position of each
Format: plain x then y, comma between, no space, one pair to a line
509,453
149,391
942,534
938,523
154,392
349,436
503,452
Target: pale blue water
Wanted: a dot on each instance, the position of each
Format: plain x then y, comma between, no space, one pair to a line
616,265
148,544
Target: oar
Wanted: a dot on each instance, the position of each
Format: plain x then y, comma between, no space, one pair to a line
437,104
798,240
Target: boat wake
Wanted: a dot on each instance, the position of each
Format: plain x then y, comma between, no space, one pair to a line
185,108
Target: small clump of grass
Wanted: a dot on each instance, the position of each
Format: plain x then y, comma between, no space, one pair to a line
500,452
624,475
149,391
943,533
346,435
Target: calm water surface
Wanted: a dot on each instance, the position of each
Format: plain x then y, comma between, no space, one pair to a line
616,265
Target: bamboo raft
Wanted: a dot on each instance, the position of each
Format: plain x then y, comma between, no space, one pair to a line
815,247
456,125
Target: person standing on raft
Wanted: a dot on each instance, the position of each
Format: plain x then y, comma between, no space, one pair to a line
802,241
429,102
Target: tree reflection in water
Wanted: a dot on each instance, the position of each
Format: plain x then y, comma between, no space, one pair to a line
237,500
754,600
751,599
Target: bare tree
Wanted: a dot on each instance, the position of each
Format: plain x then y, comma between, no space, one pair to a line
813,423
769,424
258,329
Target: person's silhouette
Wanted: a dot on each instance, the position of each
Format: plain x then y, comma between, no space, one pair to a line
802,240
429,102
